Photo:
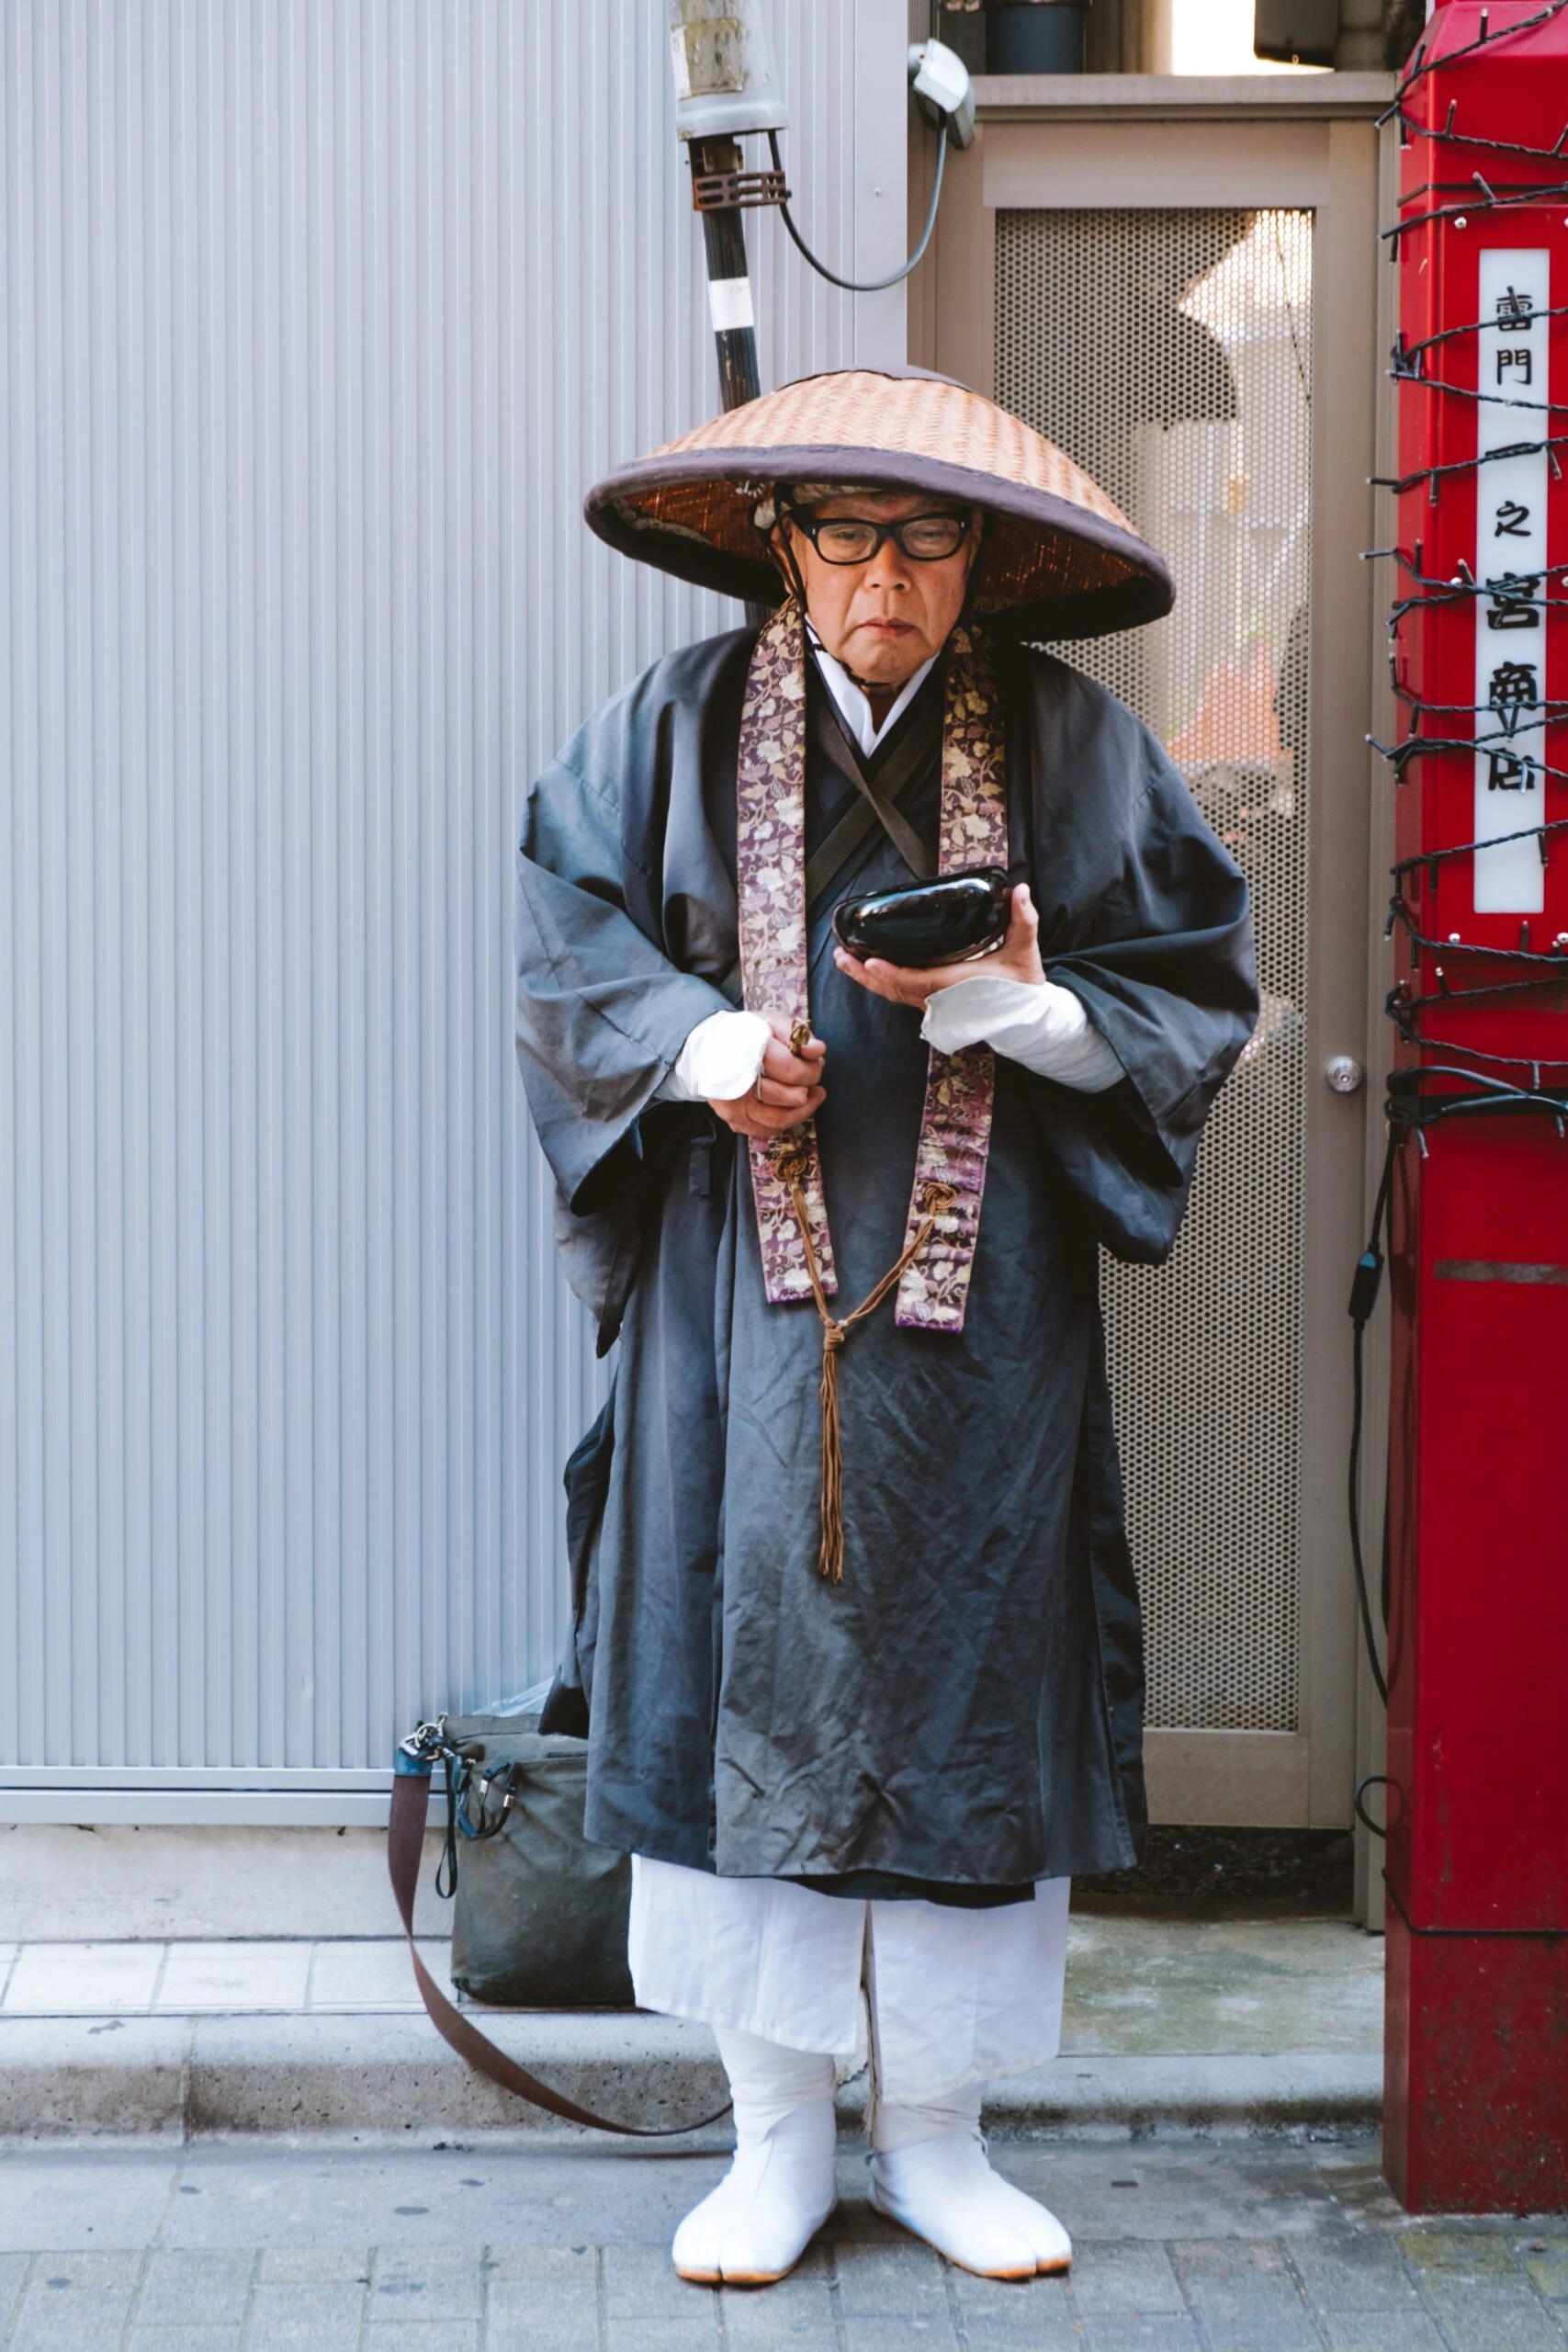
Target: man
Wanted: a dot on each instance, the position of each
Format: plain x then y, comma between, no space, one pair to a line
856,1628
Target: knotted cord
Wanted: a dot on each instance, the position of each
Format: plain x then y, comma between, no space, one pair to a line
937,1200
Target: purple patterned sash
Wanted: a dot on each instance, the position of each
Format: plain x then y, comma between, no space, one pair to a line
955,1128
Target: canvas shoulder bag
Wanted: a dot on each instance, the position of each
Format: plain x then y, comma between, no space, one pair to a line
539,1919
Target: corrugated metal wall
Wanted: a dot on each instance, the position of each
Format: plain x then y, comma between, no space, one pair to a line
317,317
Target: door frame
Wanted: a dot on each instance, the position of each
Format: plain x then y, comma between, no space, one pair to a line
1163,142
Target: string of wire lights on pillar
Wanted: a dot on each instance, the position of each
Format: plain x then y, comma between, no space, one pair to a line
1493,366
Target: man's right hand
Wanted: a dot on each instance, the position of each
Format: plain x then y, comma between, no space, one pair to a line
788,1087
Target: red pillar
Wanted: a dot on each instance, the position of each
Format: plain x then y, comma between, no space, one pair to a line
1476,2083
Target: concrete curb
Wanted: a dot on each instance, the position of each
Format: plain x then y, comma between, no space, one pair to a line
1289,2088
389,2076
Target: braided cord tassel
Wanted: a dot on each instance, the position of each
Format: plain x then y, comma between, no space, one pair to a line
938,1201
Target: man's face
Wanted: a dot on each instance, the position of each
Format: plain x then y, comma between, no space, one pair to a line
884,617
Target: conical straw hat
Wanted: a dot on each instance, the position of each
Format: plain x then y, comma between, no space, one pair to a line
1057,559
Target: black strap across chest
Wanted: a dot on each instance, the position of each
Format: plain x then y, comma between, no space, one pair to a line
912,757
878,792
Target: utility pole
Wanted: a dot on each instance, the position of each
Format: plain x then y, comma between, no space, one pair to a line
725,90
715,171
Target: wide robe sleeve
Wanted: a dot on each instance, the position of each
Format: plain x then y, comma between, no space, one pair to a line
603,1012
1144,915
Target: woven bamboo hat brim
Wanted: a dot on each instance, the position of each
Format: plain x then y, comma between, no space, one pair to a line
1057,559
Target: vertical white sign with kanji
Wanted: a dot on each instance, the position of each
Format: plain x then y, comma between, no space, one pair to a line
1510,618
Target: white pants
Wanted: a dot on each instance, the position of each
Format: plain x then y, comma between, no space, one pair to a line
956,1996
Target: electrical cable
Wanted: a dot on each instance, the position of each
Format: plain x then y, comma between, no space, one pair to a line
1364,1288
1420,66
1411,131
1369,1780
872,285
1408,1111
1421,944
1400,483
1470,1082
1435,857
1464,206
1470,392
1399,1010
1420,747
1420,709
1520,705
1404,353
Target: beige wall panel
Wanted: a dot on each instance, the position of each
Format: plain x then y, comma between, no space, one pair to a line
1155,164
1109,148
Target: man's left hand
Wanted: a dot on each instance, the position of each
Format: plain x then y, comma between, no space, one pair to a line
1017,958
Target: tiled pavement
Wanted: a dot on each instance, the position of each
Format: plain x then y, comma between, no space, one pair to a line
1183,2245
189,1979
1136,1987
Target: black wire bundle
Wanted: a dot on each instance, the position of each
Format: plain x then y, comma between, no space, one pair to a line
1478,1083
1494,725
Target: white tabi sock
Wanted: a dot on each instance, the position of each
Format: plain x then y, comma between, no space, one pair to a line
930,2170
781,2189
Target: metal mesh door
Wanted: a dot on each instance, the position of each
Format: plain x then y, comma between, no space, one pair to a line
1169,353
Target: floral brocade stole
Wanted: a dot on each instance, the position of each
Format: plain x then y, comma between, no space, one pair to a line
955,1126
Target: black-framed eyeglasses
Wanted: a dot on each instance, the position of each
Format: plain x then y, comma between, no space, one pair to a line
843,538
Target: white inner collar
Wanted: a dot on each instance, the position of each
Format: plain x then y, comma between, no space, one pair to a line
854,707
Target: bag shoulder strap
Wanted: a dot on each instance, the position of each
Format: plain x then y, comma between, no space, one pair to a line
405,1847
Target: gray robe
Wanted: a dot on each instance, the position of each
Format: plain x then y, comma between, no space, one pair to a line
964,1714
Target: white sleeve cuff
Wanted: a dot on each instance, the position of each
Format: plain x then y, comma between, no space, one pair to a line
1044,1026
720,1061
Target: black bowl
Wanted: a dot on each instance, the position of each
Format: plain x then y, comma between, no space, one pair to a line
945,921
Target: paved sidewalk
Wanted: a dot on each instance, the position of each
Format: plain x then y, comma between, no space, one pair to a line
246,1977
1265,2021
1182,2246
1136,1985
